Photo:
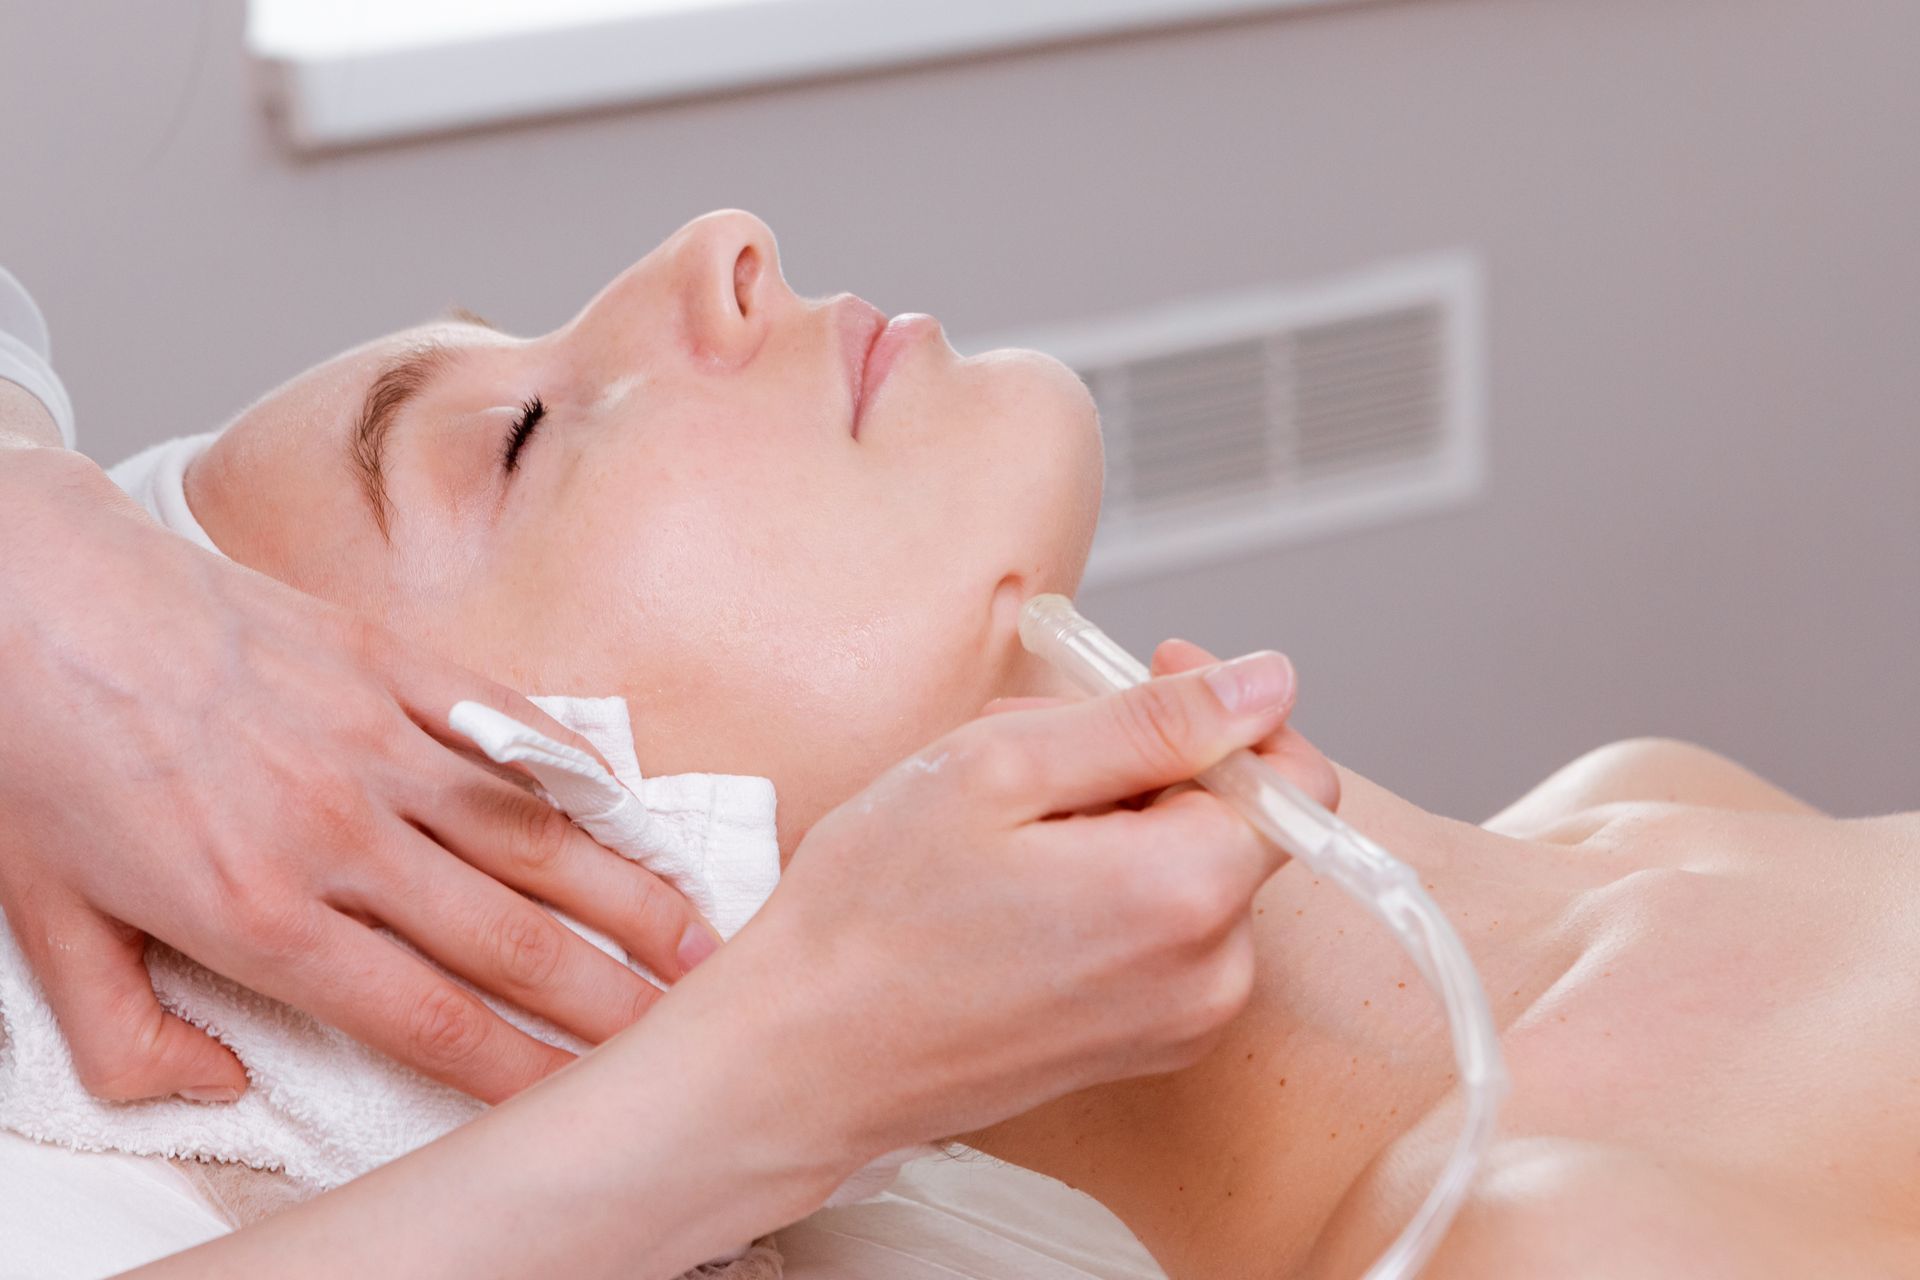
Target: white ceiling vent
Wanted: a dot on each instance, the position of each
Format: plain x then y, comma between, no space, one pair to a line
1247,420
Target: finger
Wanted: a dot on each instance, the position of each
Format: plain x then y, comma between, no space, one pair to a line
125,1046
1209,860
522,841
352,978
999,706
504,944
1286,750
1303,764
1104,749
427,689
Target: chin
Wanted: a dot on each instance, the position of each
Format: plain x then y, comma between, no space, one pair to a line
1051,425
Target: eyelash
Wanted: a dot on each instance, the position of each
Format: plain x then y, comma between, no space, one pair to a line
523,428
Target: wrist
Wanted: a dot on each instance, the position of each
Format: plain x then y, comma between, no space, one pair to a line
781,1025
724,1072
826,1006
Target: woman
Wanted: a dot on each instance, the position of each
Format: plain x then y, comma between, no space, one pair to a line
199,753
1705,1044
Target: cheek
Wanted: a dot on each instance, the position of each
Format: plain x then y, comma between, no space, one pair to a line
778,612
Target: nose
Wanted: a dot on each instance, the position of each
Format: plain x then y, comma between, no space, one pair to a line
726,270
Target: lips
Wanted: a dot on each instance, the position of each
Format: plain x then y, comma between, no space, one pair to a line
873,346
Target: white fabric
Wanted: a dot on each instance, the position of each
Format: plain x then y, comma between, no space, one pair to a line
26,353
156,479
967,1216
667,824
80,1215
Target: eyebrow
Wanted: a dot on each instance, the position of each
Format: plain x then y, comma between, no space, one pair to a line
461,315
401,380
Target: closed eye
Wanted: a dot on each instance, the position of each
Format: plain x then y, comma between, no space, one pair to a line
522,431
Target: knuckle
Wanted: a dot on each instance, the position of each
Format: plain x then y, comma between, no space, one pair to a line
443,1028
118,1073
1158,723
366,639
1220,993
539,836
121,1067
268,919
1186,901
644,998
995,764
654,907
331,811
1240,970
1195,906
1219,897
526,947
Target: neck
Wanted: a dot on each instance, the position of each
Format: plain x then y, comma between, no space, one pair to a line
1339,1054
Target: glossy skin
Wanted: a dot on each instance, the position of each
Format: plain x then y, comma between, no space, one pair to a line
694,524
1705,990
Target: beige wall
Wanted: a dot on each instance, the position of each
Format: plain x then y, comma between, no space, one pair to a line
1705,303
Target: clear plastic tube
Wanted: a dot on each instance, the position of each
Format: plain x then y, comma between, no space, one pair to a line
1299,826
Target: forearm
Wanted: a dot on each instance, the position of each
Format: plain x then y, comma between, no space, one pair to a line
684,1137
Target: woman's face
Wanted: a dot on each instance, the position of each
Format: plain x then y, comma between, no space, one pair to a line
794,536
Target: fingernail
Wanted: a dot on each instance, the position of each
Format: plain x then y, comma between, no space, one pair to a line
696,944
211,1093
1257,682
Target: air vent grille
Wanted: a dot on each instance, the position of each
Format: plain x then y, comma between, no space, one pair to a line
1248,420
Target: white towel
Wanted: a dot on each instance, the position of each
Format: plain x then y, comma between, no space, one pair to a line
156,479
322,1107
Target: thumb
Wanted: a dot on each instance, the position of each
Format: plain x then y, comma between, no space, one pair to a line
1286,750
1081,754
125,1046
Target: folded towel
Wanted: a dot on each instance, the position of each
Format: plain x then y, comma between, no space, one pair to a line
322,1107
156,478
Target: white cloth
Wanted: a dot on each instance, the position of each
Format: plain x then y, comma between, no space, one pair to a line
156,479
85,1215
82,1215
322,1107
710,834
967,1217
26,353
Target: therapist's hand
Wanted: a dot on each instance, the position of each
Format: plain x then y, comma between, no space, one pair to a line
192,752
1025,908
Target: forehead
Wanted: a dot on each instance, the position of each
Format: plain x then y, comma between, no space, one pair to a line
327,399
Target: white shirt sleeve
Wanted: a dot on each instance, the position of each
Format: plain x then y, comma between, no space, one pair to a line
26,353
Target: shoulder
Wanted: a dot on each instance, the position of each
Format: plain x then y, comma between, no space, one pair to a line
1583,1210
1640,771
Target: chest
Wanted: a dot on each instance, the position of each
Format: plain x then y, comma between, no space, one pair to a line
1748,1007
